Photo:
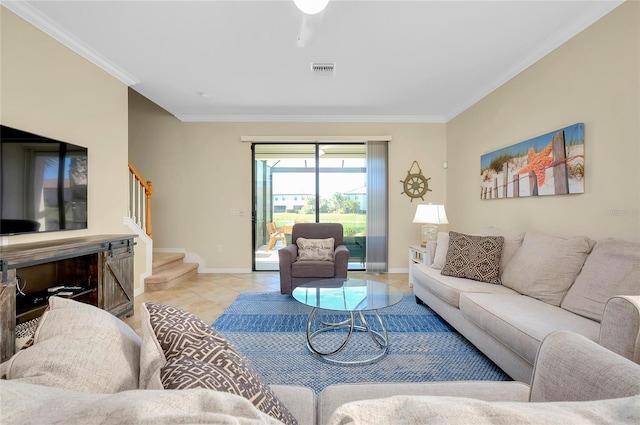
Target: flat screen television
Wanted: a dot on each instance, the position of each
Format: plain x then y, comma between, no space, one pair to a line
43,183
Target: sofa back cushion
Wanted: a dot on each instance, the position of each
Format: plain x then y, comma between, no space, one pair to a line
79,347
319,231
613,268
512,242
440,255
546,266
437,410
37,404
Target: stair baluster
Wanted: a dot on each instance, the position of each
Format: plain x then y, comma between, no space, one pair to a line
140,200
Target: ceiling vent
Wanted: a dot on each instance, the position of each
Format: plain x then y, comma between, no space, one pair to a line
323,68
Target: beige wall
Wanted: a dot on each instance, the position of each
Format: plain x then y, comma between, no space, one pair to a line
593,78
201,170
47,89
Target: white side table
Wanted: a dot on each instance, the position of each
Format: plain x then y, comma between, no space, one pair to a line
417,255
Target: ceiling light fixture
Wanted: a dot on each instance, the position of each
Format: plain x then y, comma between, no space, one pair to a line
311,7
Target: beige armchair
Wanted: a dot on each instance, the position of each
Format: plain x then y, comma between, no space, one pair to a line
293,273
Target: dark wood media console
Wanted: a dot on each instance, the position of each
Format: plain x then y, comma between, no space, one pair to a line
97,270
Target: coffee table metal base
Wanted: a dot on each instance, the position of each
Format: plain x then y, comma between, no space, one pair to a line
381,339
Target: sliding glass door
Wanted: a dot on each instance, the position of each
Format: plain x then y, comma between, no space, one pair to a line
343,195
309,182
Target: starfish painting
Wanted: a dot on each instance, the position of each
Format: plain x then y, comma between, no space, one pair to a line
538,163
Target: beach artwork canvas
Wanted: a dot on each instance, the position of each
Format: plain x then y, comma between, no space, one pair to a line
551,164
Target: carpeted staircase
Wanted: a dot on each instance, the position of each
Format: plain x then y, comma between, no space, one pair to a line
169,269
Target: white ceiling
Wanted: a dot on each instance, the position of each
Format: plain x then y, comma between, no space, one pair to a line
406,61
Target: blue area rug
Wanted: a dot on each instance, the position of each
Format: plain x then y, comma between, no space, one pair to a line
269,329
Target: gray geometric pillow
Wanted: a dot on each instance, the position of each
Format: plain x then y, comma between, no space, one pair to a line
199,357
474,257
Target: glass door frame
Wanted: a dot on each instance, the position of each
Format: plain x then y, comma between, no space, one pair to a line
255,193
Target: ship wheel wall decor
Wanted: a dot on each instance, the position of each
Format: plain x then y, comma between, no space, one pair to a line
415,185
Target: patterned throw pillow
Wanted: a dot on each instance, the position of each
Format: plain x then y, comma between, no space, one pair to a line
199,357
474,257
315,249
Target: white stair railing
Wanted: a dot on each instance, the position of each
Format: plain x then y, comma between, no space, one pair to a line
140,200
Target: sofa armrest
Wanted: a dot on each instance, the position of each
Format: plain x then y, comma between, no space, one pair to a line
341,261
571,367
288,254
620,326
286,257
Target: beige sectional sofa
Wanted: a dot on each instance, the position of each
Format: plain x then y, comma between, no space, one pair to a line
96,370
545,284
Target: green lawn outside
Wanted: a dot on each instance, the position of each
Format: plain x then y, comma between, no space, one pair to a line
354,224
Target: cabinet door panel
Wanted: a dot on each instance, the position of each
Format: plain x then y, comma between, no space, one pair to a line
117,284
102,264
7,316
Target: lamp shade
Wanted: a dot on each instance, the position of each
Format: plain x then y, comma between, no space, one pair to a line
311,7
430,214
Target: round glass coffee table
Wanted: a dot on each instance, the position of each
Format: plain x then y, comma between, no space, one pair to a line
352,296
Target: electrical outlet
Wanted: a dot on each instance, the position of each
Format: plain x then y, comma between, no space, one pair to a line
241,212
219,248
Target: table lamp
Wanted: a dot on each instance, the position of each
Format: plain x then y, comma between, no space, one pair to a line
431,216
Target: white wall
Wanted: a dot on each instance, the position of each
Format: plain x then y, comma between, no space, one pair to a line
593,78
201,170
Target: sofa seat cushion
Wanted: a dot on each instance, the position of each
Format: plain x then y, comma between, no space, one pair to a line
612,268
310,268
449,288
336,395
522,322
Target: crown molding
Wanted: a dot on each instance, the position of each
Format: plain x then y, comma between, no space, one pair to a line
318,139
600,8
46,25
311,118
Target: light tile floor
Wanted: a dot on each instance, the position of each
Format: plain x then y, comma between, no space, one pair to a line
208,295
